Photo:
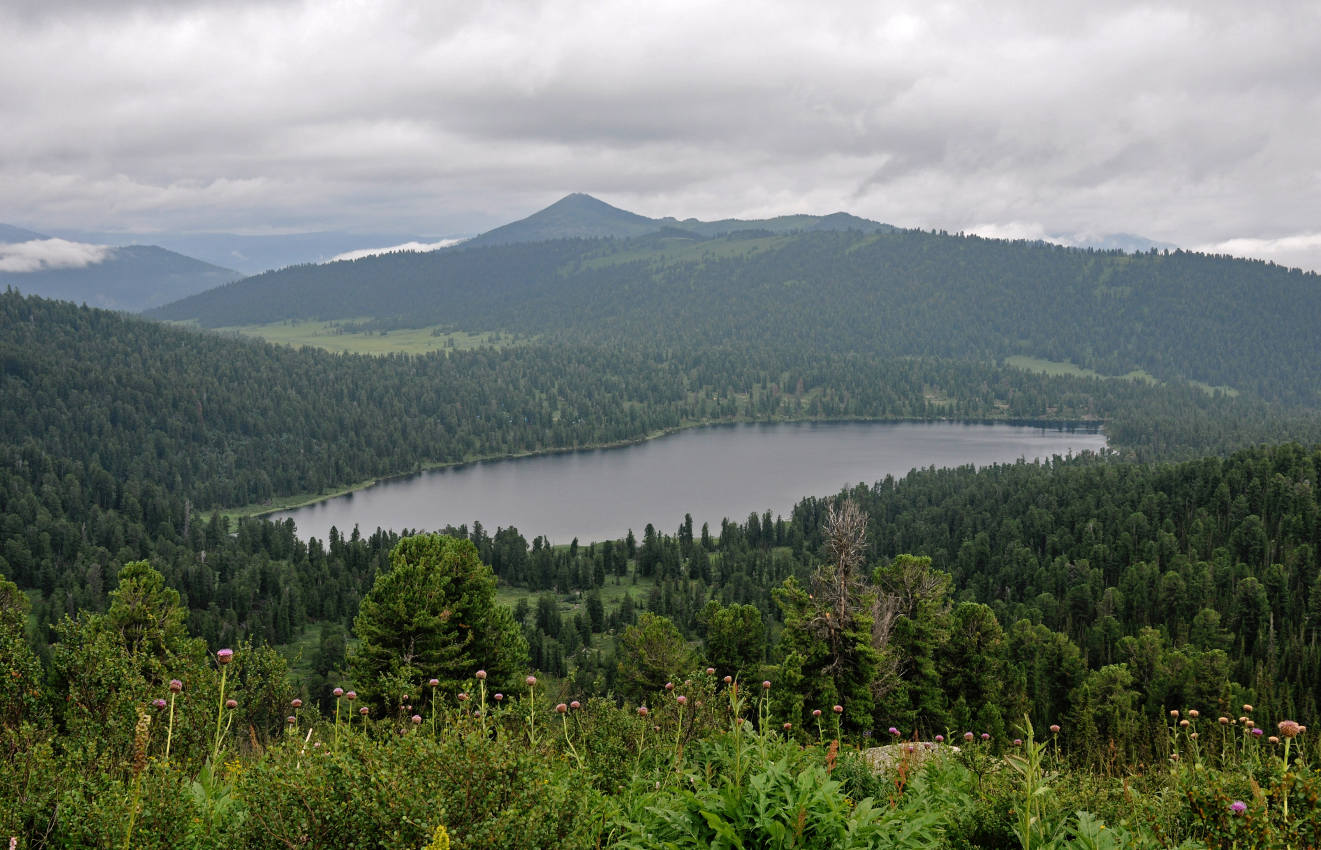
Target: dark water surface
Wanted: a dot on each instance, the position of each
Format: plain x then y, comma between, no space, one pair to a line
712,473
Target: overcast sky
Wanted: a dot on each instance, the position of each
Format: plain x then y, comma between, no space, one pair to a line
1194,123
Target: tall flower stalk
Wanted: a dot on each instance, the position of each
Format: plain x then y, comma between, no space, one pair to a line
223,657
532,709
175,687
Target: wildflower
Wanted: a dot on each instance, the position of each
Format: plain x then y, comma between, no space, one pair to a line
839,709
1273,739
175,686
1288,729
894,731
669,686
909,748
766,686
530,680
363,711
788,726
463,697
1193,713
986,736
296,703
727,679
1193,736
159,703
1247,709
1018,742
499,697
575,705
816,712
967,736
940,739
1238,807
435,683
1183,723
351,696
710,671
561,708
1257,731
417,719
1224,721
681,699
224,656
338,692
291,720
1174,712
481,675
231,704
642,711
1054,728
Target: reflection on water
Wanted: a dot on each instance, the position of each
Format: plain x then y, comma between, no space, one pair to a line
712,473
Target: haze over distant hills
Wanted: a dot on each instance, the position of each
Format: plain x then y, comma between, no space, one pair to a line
130,277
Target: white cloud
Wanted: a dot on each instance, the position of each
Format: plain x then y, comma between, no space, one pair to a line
419,247
1301,250
43,254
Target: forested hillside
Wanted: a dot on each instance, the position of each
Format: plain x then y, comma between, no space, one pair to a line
1179,316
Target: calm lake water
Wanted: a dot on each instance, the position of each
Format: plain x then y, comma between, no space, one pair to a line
712,473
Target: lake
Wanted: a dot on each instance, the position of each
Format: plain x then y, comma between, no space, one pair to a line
724,471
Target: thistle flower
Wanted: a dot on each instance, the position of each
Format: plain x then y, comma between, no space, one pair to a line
1054,728
986,736
766,686
575,705
816,712
561,708
1223,721
710,671
642,711
158,703
481,675
338,692
363,711
1247,709
176,686
417,719
1288,729
727,679
296,702
231,704
1184,723
940,739
839,709
681,699
1257,731
499,697
1018,742
530,680
435,683
788,726
463,697
669,686
224,656
1273,739
894,731
291,720
1174,712
351,696
1192,712
1238,807
967,736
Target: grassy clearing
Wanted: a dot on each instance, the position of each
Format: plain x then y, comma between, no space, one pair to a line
612,595
332,336
1056,367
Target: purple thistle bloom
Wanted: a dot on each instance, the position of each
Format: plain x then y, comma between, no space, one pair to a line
435,683
291,720
231,704
351,695
160,703
766,686
224,656
894,731
531,680
940,739
1256,730
816,712
338,692
417,718
296,703
986,736
481,674
575,705
175,686
681,700
839,709
499,697
1238,807
967,736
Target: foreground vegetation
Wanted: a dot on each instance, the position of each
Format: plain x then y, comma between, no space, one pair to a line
140,736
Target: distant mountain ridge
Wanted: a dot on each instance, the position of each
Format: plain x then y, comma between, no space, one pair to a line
131,278
580,216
